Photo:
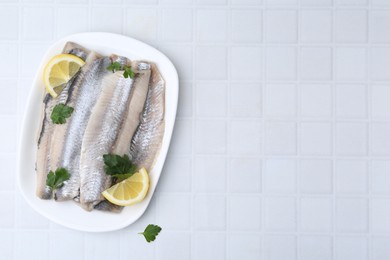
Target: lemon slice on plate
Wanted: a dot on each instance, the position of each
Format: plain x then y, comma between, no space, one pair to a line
129,191
59,70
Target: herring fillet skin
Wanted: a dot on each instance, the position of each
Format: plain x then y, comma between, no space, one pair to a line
147,139
60,130
130,121
47,127
99,137
69,156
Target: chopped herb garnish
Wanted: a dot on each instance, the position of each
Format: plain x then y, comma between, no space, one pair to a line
119,167
56,179
60,113
114,66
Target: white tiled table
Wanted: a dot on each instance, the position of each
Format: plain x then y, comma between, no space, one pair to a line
282,142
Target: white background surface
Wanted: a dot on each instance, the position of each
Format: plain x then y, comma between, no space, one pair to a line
282,143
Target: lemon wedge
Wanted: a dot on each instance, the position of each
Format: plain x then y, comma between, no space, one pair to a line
59,70
129,191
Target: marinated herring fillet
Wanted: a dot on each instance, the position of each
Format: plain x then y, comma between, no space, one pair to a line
109,124
147,139
88,91
43,156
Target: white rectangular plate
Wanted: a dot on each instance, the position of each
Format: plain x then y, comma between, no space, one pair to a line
68,213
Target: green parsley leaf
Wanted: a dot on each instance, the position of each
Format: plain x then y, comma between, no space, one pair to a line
56,179
119,167
114,66
60,113
150,233
128,72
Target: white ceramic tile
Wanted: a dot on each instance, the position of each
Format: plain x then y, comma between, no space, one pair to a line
351,248
77,24
280,100
245,246
351,2
211,2
351,101
281,63
73,240
316,100
379,26
8,63
30,245
280,138
351,26
246,63
173,212
134,246
113,14
210,174
351,215
350,63
315,214
315,26
101,246
28,218
316,138
209,246
280,176
71,2
380,176
315,247
380,248
379,60
176,25
205,99
7,210
380,3
140,2
281,2
380,209
9,23
316,3
245,137
8,172
182,137
379,139
7,244
244,212
279,247
246,25
245,175
173,246
181,56
211,25
32,54
211,62
8,88
8,134
380,94
315,63
280,26
176,1
141,24
246,2
245,100
184,107
209,212
210,136
280,214
315,176
176,176
351,176
37,23
351,139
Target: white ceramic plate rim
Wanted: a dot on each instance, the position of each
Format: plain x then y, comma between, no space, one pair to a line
67,213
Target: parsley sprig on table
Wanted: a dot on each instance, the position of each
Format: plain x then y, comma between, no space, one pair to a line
119,167
151,232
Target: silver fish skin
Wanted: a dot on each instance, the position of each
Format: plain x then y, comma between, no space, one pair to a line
146,142
43,156
100,135
89,89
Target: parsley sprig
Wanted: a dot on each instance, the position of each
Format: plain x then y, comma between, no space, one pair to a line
56,179
151,232
60,113
116,66
119,167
